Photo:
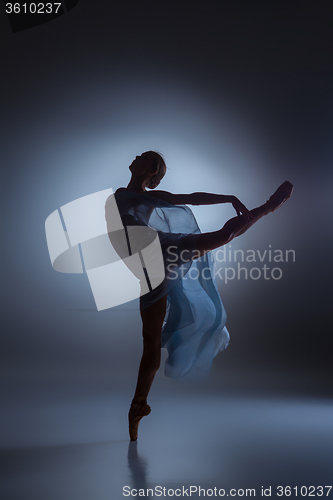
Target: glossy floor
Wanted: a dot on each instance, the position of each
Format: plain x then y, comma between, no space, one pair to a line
79,450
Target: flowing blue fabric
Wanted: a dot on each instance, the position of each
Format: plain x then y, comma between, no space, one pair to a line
194,329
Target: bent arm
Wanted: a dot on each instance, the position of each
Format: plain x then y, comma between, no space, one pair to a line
193,198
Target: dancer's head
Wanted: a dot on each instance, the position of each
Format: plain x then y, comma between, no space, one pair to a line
151,163
160,167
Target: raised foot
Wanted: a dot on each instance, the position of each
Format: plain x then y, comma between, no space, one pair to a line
135,414
281,195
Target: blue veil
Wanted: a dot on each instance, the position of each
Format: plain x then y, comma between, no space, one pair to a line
194,329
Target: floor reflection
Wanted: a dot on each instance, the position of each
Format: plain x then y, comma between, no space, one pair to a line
137,465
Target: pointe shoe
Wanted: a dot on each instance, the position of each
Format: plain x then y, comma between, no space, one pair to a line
281,195
135,414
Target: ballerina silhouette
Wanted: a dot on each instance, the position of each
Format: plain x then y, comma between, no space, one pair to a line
186,316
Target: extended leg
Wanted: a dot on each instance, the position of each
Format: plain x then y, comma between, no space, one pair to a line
232,228
240,224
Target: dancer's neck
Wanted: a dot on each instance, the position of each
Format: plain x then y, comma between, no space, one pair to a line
138,185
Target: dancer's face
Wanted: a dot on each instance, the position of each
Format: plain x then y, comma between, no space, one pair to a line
143,164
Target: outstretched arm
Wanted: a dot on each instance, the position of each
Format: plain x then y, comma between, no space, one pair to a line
191,199
201,199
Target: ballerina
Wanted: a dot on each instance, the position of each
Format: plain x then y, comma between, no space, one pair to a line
186,317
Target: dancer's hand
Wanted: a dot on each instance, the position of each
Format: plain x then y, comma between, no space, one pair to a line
240,208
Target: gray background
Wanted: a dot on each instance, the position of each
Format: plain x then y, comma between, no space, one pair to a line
237,96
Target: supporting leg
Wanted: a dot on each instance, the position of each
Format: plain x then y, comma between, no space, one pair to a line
152,322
